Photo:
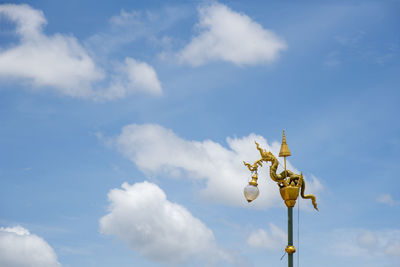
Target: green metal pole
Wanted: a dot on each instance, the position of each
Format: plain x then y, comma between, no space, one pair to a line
290,235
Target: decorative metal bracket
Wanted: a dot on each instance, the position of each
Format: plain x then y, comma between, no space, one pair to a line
290,184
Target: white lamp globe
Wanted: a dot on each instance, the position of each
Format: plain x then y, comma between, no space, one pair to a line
251,192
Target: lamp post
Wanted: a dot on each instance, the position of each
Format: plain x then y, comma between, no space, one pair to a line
289,186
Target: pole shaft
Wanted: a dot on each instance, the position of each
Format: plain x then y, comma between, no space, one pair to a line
285,166
290,235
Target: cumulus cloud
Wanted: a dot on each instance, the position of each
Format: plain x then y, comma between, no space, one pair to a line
388,200
361,242
59,62
232,37
273,239
133,76
158,229
20,248
157,150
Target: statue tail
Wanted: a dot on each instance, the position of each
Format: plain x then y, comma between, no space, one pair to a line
312,197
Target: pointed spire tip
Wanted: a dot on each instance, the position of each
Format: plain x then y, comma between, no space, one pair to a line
285,152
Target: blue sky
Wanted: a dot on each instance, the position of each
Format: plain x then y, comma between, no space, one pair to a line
124,125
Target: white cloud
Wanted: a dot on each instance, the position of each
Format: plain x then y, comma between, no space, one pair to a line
128,18
133,76
388,200
393,249
60,63
156,150
158,229
230,36
367,239
130,26
20,248
361,242
274,239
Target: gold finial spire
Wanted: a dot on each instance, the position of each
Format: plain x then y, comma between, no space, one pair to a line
285,152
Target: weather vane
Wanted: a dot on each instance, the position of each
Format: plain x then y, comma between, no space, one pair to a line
289,186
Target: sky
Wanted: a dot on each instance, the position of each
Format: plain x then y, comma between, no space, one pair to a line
124,126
